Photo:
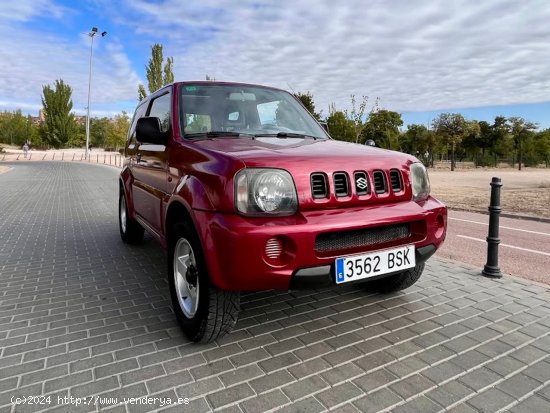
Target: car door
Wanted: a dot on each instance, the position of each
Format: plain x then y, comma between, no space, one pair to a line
150,168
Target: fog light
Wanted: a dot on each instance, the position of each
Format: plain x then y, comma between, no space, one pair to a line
273,248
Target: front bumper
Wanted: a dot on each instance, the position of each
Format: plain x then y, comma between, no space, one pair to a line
235,246
323,276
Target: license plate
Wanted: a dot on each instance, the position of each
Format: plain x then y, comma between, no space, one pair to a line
374,263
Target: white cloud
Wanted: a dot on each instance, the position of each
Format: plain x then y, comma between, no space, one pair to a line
413,55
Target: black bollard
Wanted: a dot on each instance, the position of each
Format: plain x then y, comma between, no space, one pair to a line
491,268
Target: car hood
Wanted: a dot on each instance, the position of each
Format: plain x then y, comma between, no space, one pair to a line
312,153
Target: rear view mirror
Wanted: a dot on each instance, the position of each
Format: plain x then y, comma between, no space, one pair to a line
148,130
242,96
324,125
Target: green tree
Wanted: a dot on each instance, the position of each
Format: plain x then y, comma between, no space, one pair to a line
416,140
15,128
451,128
542,145
118,131
307,101
471,143
59,125
339,126
503,144
157,75
357,113
520,130
382,127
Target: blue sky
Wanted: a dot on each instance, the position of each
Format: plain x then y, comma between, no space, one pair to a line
481,58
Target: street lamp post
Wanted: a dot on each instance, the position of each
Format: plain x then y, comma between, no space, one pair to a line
92,34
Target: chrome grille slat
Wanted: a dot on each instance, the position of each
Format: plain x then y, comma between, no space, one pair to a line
379,182
396,181
319,187
335,241
341,184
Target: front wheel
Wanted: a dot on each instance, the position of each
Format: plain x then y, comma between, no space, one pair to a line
130,230
204,311
398,281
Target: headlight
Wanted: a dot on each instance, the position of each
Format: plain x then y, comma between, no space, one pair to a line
265,192
420,182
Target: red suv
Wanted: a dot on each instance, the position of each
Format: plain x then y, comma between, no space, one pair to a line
247,191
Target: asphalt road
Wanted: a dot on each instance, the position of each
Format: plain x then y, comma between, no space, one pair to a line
524,250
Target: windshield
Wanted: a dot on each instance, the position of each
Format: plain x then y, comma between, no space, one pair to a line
210,110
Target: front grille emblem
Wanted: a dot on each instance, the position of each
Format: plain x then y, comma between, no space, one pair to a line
361,183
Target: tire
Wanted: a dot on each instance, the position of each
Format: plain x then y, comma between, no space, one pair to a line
130,230
204,312
398,281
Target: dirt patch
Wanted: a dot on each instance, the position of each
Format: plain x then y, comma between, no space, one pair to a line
525,192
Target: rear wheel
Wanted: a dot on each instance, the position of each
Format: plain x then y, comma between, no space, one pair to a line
130,230
204,311
398,281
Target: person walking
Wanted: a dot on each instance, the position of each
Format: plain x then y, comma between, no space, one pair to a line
25,149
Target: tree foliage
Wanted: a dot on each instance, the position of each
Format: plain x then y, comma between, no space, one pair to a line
521,130
307,101
59,126
16,129
339,126
382,127
159,74
452,128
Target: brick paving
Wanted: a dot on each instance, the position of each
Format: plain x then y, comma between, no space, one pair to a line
83,315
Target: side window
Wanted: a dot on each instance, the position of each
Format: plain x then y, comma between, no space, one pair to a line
139,113
160,108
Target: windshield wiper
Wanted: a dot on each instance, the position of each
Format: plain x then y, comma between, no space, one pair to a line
215,134
285,135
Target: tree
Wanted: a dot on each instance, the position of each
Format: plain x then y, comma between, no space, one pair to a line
502,141
416,140
15,128
157,76
59,125
118,131
339,126
382,127
471,143
520,130
452,128
357,113
307,101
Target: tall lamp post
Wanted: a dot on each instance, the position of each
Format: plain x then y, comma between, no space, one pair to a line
92,34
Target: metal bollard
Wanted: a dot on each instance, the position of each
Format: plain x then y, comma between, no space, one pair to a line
491,269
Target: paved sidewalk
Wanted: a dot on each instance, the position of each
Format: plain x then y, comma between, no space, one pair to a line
83,315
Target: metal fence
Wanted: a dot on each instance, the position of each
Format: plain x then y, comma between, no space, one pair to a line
106,158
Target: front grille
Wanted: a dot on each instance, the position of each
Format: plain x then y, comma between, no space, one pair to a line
319,187
335,241
341,184
396,181
379,182
361,183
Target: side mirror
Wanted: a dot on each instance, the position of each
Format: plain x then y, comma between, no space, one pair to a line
148,130
324,125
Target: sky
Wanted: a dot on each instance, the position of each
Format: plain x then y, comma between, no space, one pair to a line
481,58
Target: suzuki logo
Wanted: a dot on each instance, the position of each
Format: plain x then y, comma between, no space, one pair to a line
361,183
